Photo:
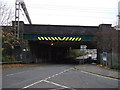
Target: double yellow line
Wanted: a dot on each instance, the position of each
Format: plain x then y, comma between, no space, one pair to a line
60,38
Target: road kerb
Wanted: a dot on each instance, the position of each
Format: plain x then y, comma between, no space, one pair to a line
96,74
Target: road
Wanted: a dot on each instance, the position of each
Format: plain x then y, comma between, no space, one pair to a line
57,76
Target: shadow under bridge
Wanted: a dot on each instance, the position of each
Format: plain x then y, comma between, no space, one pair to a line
55,51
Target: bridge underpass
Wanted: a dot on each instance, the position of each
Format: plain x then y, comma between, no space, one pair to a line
55,52
51,43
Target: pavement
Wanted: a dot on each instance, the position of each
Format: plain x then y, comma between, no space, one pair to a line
99,69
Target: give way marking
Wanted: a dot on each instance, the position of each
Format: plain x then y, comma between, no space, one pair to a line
46,80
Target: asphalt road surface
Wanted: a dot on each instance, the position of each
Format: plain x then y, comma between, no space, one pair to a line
53,76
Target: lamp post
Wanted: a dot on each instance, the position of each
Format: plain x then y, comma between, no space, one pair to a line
25,50
24,53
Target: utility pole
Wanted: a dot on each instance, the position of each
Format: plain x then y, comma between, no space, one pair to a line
20,4
118,16
17,16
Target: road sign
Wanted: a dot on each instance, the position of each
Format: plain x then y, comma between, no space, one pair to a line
83,47
104,56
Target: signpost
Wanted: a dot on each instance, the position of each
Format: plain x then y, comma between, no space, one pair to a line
104,57
83,48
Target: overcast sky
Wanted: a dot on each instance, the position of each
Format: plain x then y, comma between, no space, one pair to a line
70,12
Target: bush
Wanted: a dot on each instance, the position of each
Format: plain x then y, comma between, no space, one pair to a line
117,67
76,53
8,59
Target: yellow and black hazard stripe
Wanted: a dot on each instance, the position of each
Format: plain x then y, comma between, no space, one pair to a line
54,38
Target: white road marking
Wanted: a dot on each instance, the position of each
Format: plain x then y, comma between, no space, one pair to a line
57,74
48,81
33,84
56,84
38,69
16,73
9,74
21,72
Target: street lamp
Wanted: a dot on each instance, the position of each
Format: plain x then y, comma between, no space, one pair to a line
24,52
24,49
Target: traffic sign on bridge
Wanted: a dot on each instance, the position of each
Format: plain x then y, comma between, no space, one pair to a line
49,37
59,38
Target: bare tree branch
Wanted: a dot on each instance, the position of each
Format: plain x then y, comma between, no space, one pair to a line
6,14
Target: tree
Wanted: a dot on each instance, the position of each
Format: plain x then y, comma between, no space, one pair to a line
9,40
6,14
108,42
9,43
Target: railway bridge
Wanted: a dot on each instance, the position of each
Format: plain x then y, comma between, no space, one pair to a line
49,43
